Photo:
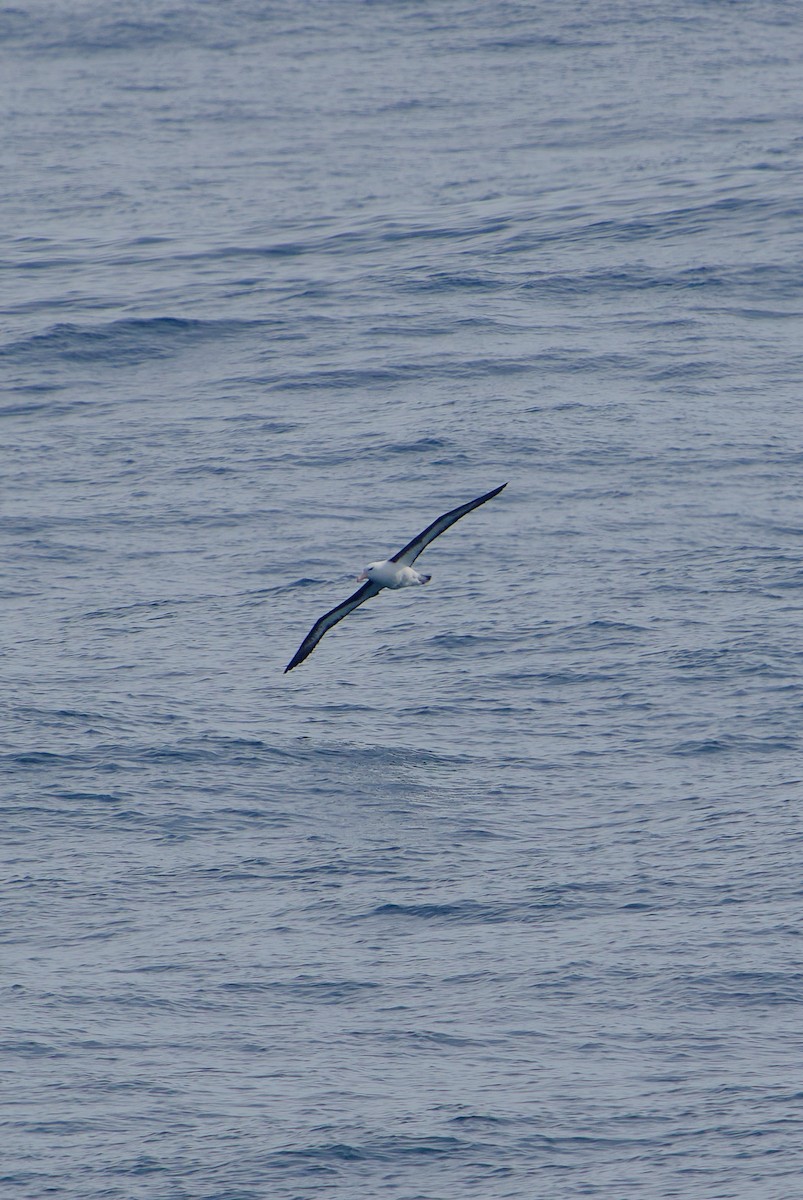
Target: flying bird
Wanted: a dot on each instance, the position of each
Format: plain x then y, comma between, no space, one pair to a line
396,572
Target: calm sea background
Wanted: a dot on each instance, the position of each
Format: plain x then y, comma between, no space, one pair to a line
498,895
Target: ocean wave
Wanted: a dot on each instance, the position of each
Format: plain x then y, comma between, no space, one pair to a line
122,342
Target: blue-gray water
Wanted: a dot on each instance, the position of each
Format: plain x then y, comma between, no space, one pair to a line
498,894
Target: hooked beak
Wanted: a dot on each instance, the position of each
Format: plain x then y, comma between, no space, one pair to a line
362,575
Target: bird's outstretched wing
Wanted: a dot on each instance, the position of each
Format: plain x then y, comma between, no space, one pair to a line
409,553
325,623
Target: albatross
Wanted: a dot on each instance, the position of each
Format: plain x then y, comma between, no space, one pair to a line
395,572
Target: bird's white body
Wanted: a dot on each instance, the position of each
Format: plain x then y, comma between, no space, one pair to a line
390,574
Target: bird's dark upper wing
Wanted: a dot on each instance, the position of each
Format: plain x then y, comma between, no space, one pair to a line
409,553
325,623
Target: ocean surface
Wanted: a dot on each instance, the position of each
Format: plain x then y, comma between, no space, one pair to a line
498,895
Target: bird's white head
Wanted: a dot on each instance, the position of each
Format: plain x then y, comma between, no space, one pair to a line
368,573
